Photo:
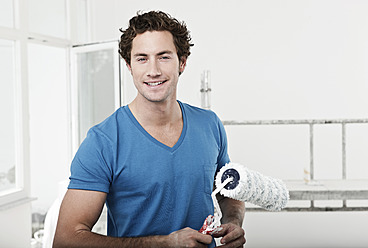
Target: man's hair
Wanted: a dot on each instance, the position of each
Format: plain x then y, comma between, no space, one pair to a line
155,21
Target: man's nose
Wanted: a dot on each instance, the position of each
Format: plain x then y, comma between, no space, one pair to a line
153,69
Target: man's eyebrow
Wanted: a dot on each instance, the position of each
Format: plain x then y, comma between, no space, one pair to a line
158,54
140,55
165,52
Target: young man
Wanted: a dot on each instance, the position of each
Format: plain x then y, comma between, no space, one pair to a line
153,161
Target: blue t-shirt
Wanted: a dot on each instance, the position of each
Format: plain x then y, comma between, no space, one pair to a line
152,189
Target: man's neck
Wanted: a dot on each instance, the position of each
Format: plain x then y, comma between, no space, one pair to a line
156,113
163,121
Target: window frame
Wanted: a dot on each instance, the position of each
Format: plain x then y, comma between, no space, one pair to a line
20,194
74,92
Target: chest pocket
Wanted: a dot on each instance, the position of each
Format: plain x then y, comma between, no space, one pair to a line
209,176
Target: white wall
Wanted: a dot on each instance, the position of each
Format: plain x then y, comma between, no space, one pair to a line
306,230
290,59
276,60
15,228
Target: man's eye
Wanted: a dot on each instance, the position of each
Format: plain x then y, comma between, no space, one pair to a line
165,58
141,59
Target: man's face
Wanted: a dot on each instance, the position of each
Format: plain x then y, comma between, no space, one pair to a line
155,66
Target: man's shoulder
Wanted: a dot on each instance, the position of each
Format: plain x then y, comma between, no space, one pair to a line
197,111
112,123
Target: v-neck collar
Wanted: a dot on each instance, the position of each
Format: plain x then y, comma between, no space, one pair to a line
150,137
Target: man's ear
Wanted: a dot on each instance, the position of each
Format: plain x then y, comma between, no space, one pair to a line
183,63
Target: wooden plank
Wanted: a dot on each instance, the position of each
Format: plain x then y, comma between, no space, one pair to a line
293,122
328,190
311,209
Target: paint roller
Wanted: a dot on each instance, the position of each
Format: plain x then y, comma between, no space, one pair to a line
238,182
251,186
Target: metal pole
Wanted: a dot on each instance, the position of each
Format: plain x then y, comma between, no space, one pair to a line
311,158
311,152
206,90
343,137
343,127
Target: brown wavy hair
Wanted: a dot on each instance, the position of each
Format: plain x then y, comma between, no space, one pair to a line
155,21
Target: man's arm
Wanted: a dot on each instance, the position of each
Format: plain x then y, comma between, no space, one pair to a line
80,211
232,220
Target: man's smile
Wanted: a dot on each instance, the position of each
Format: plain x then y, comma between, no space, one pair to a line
155,83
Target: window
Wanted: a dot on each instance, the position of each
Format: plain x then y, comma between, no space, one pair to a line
7,110
13,127
22,23
48,18
48,122
7,13
96,86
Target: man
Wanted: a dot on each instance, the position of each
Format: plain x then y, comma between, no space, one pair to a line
153,162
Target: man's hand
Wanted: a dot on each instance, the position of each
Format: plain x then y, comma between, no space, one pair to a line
188,237
233,236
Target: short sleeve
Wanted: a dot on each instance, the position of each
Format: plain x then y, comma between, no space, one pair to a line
91,166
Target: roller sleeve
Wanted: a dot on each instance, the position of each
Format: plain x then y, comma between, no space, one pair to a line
253,187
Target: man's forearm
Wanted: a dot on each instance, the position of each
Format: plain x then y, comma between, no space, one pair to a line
91,240
233,211
186,237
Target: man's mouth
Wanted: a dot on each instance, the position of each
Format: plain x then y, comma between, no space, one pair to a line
154,83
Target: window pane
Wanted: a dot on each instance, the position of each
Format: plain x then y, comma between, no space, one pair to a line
48,17
48,125
6,13
95,87
7,109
